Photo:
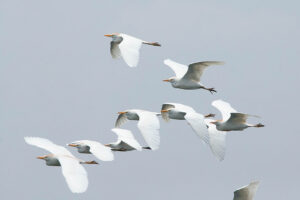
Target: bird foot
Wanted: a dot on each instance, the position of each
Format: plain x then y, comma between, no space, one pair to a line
209,115
212,90
91,162
259,125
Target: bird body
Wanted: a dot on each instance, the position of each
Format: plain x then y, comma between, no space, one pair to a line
232,120
125,142
99,150
188,77
148,124
127,47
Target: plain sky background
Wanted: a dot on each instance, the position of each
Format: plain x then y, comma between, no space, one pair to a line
58,81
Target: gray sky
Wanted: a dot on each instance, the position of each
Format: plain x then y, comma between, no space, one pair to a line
54,77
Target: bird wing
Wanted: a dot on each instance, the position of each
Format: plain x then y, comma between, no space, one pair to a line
179,69
195,70
149,126
130,49
48,145
165,115
247,192
237,118
99,150
114,48
127,137
217,140
121,120
74,173
224,107
196,121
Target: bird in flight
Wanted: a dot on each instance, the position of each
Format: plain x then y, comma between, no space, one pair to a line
99,150
127,47
72,170
232,120
148,124
125,141
188,77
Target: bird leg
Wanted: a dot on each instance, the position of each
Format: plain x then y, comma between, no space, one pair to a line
147,148
212,90
152,43
209,115
259,125
90,162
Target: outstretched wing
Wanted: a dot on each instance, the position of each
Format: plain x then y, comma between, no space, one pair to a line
130,49
74,173
195,70
127,137
196,121
149,126
179,69
217,140
224,107
247,192
99,150
47,145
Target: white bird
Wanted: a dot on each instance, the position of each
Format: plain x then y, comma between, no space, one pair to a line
125,142
232,120
72,170
148,125
127,47
188,77
247,192
93,147
201,126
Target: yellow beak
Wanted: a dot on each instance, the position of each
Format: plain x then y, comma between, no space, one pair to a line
108,35
166,80
164,111
41,157
122,113
73,145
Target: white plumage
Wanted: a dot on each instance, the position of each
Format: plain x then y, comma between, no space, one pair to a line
148,124
96,148
127,137
72,170
127,47
188,77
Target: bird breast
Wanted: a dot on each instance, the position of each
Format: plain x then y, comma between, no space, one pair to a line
84,149
52,161
175,114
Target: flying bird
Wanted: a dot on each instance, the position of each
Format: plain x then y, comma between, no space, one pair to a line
148,124
125,142
127,47
93,147
188,77
199,123
232,120
72,170
247,192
